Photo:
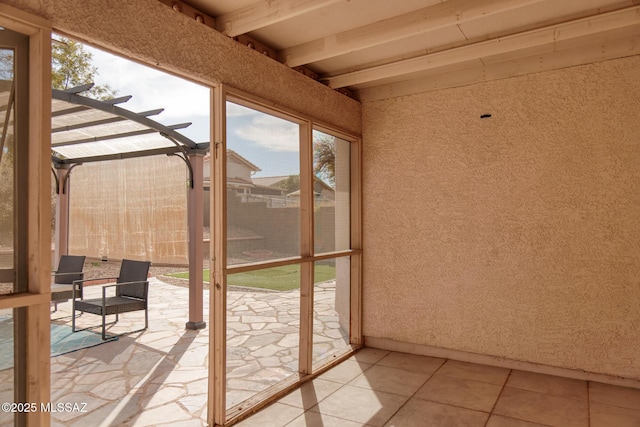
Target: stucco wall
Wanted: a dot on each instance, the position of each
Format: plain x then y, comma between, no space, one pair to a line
517,235
151,32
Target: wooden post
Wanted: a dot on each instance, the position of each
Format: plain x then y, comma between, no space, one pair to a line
195,215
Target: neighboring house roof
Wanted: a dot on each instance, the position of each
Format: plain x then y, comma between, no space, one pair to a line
233,156
269,181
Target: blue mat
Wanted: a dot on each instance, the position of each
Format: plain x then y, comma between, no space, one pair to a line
63,341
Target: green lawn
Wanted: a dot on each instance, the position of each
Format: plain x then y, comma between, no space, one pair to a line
277,278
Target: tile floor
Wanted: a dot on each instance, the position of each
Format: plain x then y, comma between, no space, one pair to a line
381,388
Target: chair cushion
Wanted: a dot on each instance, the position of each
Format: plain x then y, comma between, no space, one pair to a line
113,305
61,287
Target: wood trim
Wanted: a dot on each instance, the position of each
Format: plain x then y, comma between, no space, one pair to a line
33,336
218,254
21,21
305,350
261,14
355,330
39,218
501,362
241,268
23,300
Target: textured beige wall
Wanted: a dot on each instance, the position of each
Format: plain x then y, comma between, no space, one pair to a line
151,32
515,236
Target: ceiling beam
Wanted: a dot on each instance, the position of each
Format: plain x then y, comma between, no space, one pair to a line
263,13
609,48
528,39
431,18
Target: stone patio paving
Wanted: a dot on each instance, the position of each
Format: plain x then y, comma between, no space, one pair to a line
159,376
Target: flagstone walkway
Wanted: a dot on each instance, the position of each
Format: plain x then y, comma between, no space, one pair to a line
159,377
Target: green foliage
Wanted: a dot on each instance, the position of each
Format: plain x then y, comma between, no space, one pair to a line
71,67
283,278
290,184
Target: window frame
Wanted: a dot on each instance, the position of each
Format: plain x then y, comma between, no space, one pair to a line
218,413
33,265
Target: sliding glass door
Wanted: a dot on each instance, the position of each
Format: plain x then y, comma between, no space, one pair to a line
286,234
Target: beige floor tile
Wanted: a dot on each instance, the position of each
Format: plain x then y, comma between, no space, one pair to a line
419,413
474,372
412,362
345,372
500,421
310,393
460,392
316,419
361,405
276,415
608,416
548,384
369,355
542,408
390,380
613,395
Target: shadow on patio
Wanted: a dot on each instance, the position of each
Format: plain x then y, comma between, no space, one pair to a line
159,376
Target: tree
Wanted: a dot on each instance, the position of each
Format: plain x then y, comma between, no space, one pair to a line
71,67
324,156
290,184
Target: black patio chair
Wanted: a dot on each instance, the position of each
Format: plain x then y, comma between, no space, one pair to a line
70,269
131,291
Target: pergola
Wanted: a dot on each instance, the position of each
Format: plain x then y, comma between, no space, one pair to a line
88,130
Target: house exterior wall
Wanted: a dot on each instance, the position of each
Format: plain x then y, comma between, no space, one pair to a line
516,236
151,32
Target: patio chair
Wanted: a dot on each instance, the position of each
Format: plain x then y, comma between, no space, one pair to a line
69,270
131,291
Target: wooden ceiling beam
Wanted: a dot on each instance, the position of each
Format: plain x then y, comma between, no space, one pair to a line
431,18
528,39
263,13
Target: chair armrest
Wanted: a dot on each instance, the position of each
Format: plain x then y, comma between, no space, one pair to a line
55,273
97,278
61,275
80,284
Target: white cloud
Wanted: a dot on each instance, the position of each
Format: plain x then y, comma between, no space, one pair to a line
271,132
151,88
186,101
235,110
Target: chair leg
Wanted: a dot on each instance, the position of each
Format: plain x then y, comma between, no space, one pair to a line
146,318
117,318
104,335
73,317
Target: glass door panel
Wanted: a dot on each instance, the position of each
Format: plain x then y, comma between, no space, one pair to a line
331,309
332,193
263,225
7,170
263,186
7,393
263,330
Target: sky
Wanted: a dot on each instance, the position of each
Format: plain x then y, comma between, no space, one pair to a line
268,142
